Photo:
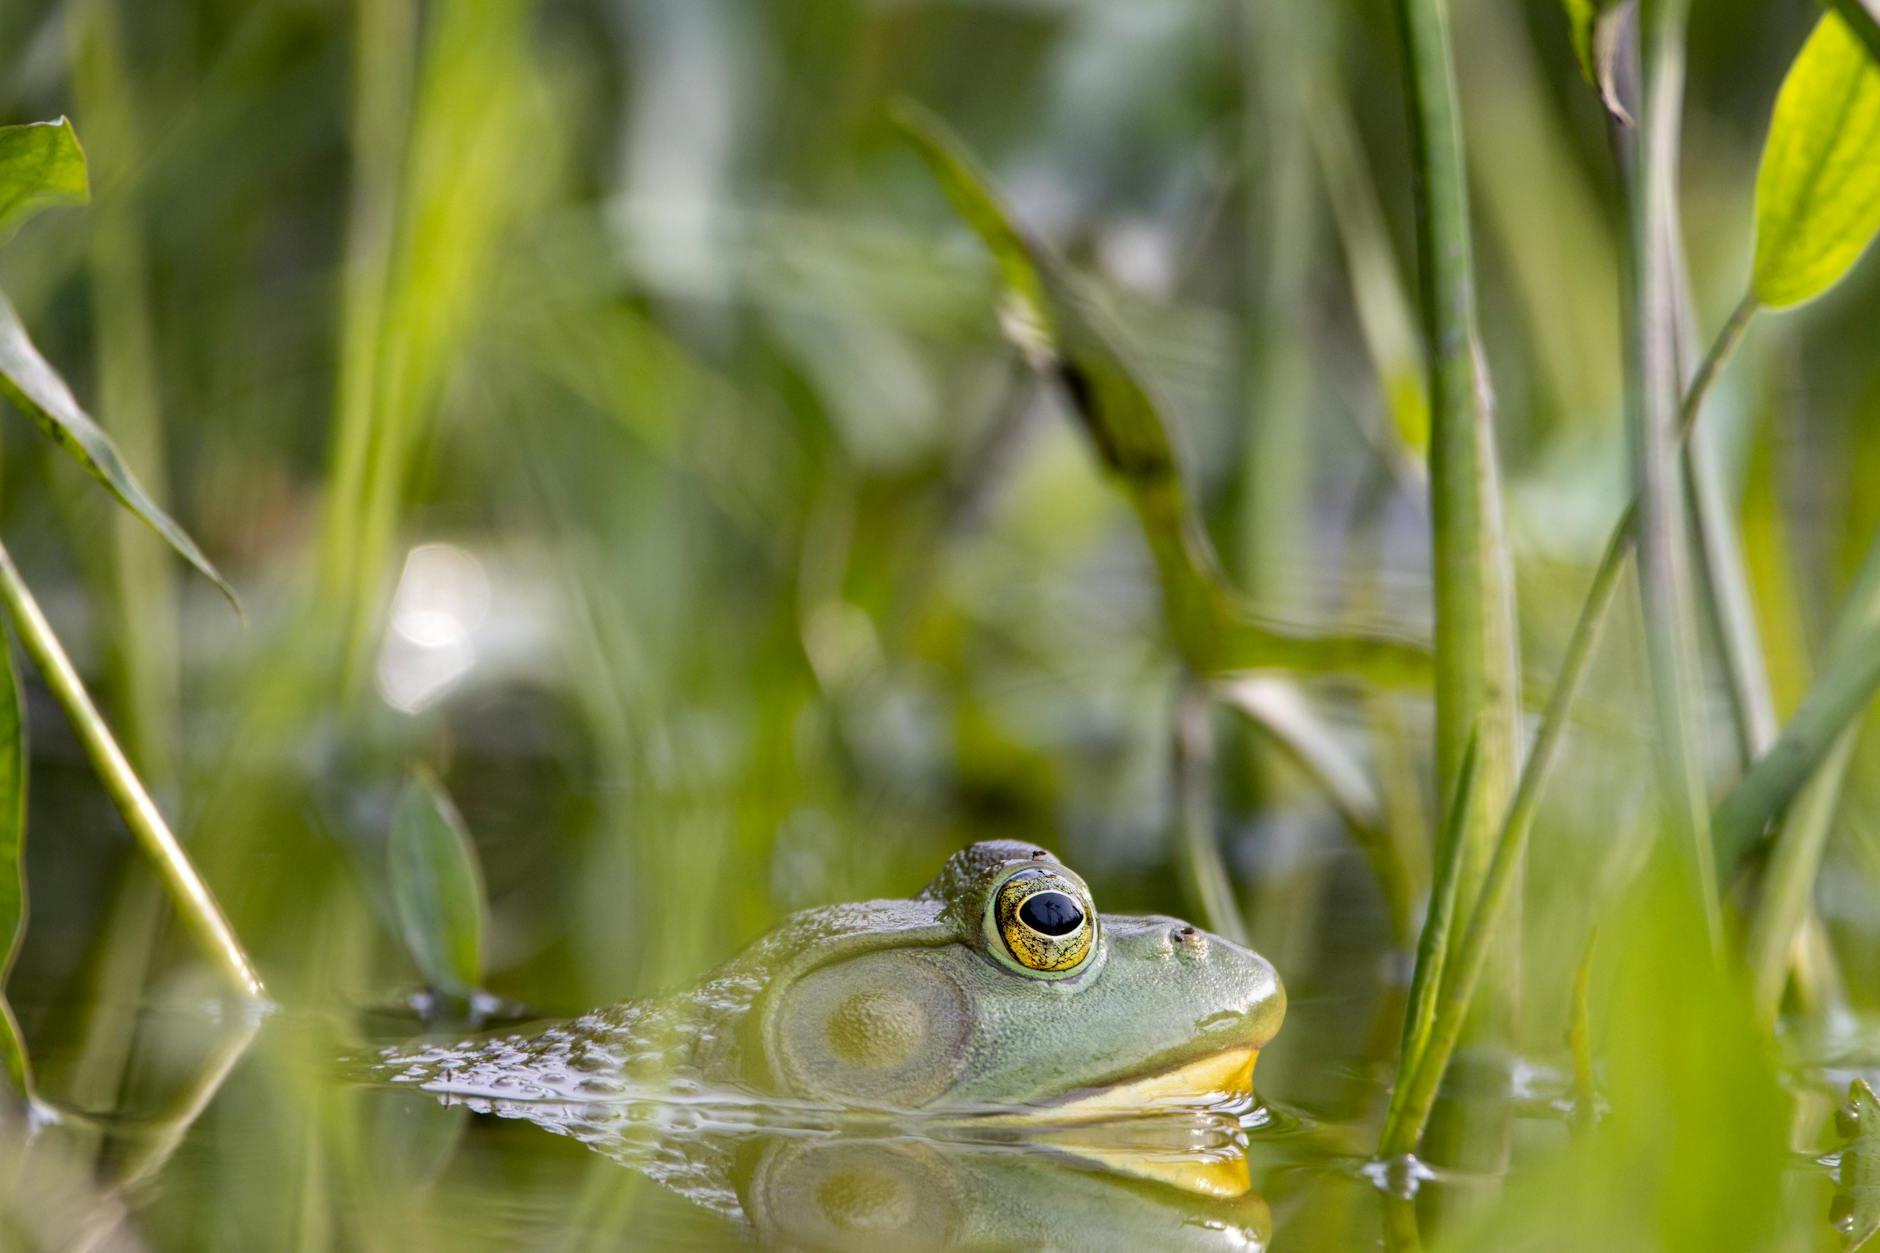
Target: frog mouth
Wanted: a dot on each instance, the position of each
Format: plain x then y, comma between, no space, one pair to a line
1213,1079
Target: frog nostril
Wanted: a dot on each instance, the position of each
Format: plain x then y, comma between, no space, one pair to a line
1190,938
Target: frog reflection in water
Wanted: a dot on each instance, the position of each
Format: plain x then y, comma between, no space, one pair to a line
1000,993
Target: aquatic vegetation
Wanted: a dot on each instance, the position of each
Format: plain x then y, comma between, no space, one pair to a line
1390,482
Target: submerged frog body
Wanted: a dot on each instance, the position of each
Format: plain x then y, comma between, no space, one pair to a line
1000,986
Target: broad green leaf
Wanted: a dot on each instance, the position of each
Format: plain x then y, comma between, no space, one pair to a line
36,389
1818,191
437,888
1863,17
41,165
1066,337
12,864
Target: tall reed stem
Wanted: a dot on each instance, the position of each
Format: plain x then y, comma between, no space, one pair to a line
1476,670
1652,405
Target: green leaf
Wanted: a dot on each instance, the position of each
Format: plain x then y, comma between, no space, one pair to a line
1839,695
437,888
41,165
1066,337
1818,191
36,389
1863,16
12,864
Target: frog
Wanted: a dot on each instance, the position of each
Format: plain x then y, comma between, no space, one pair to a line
999,989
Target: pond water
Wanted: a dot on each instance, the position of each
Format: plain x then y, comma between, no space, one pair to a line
372,1154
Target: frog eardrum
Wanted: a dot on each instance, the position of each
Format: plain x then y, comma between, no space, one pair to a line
1044,920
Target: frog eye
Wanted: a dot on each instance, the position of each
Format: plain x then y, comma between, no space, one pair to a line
1045,921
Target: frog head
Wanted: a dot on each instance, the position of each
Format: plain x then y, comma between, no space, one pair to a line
1003,984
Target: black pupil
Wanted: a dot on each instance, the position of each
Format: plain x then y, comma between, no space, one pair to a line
1051,913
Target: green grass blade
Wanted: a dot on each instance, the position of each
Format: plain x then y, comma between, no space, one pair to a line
1418,1069
1201,857
41,165
1725,583
12,865
444,160
36,389
1062,335
1383,306
384,52
1818,190
1839,695
194,901
1279,710
1788,886
437,888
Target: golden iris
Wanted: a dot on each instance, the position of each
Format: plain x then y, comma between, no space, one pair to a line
1044,920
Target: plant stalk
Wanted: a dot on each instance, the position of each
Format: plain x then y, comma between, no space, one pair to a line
1405,1126
1477,686
192,896
1725,580
1652,404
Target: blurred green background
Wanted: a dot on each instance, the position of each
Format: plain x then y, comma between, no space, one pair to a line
596,401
